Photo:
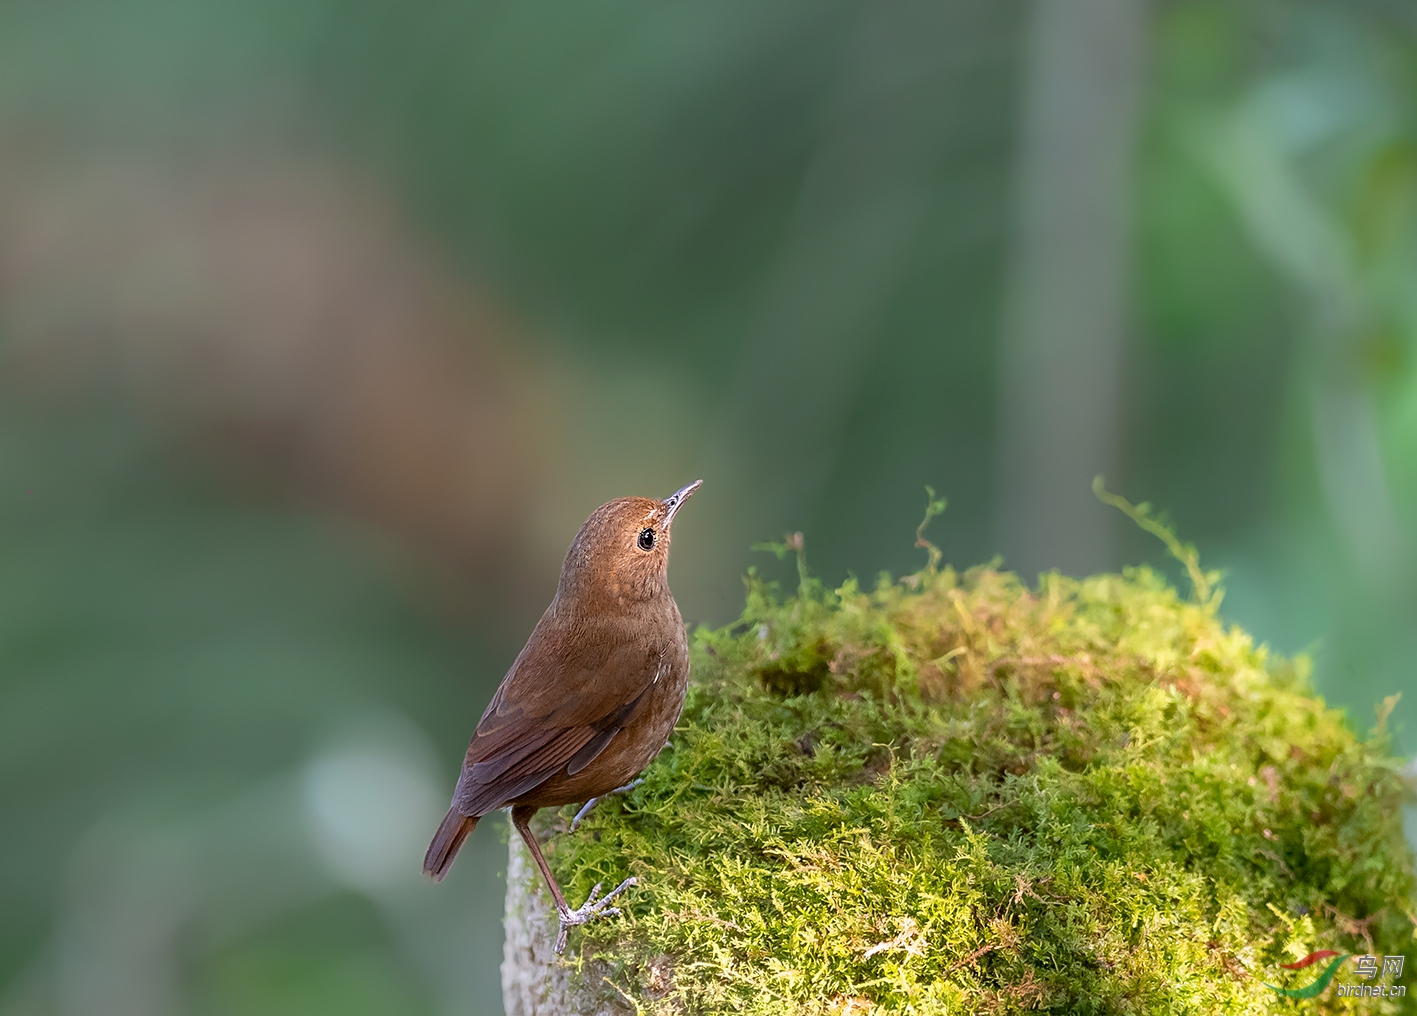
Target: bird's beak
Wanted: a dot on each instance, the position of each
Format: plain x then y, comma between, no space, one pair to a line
676,500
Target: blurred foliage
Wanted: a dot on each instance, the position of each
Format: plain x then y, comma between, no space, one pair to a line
170,644
1278,244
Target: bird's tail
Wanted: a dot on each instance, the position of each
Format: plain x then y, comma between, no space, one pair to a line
446,842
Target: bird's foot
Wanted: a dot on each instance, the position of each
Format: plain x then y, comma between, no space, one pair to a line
585,808
590,910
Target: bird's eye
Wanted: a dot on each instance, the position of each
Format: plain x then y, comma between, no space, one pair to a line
646,540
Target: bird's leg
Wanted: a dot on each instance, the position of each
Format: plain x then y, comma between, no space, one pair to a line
585,808
587,911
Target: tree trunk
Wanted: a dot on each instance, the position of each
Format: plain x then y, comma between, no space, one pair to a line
535,981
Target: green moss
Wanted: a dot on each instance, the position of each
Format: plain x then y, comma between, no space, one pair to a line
956,794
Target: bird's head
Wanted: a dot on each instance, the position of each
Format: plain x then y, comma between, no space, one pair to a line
622,551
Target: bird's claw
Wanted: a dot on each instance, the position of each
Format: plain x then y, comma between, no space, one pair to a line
590,910
585,808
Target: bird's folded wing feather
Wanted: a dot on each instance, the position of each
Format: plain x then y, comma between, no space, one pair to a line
563,700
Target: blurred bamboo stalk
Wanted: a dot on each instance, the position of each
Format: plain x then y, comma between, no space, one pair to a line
1065,310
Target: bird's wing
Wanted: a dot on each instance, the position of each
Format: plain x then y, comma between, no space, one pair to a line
567,695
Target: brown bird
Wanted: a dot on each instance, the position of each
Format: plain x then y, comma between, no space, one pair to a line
593,696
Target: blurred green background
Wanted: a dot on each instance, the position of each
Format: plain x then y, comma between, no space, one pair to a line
323,325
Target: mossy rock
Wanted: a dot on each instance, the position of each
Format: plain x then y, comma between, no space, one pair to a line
956,794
